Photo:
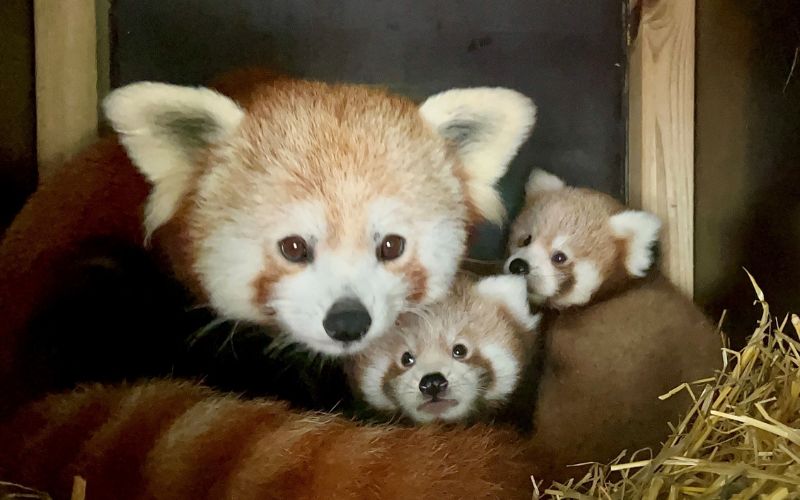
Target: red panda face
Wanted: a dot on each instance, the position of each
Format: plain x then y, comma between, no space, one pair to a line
570,243
451,359
328,210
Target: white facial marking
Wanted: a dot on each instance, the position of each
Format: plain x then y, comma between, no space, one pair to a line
542,279
587,281
506,371
641,230
510,291
372,382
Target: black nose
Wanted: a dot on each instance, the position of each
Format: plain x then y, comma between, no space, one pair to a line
347,320
433,384
519,266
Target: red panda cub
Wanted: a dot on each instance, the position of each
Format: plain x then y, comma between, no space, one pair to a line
618,334
456,360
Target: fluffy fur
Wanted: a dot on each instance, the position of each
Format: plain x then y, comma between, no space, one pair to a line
168,440
485,135
615,339
265,157
341,167
576,244
489,319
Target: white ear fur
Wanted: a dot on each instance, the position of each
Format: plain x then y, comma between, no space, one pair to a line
162,126
541,181
487,125
511,291
641,230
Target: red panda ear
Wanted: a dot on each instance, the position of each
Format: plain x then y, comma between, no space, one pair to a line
487,126
541,181
510,292
163,128
640,230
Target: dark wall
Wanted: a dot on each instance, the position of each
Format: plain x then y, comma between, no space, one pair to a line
17,108
568,56
748,158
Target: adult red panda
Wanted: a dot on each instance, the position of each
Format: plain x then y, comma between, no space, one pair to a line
324,209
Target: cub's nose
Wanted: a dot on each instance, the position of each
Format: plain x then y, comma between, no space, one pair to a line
433,384
347,320
519,266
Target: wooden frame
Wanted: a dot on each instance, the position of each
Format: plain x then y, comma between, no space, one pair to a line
72,75
66,79
661,125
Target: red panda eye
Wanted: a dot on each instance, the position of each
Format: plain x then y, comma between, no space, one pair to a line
391,247
525,241
459,351
558,258
295,249
407,359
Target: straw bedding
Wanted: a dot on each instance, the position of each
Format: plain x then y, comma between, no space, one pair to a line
740,440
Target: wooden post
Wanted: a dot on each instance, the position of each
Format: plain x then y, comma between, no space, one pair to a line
66,79
661,126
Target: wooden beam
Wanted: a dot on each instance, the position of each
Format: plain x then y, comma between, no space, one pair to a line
66,80
661,126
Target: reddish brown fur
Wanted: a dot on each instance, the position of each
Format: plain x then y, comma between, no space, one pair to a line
606,366
97,193
418,278
606,363
583,212
171,440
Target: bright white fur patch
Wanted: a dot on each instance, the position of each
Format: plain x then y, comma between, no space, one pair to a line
512,292
488,126
159,125
506,371
587,281
371,383
641,230
541,181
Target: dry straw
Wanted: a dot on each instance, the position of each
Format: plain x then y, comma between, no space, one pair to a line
740,440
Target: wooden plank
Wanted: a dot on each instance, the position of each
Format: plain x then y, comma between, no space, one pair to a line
66,79
661,126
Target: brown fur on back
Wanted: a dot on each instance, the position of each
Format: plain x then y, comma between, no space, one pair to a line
606,366
172,440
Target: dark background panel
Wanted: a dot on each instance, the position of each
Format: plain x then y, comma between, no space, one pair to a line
17,108
568,56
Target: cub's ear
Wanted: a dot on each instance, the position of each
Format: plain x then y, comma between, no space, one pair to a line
163,128
487,127
640,230
510,292
541,181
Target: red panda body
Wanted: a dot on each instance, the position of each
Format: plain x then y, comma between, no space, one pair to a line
619,335
170,440
326,210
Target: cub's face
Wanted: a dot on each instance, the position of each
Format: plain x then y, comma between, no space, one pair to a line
328,210
454,358
570,243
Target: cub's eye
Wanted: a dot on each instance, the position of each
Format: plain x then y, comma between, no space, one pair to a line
407,359
459,351
523,242
391,247
558,258
295,249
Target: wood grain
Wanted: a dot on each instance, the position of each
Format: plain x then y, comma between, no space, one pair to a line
661,126
66,80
